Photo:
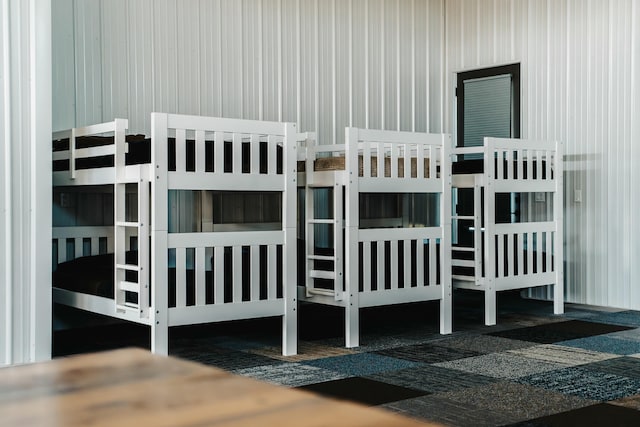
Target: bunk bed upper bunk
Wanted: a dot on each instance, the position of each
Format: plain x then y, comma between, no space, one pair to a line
166,272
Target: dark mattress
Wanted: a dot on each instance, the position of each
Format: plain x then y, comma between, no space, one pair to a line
471,166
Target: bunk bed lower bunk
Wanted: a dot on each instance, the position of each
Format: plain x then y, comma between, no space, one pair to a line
508,224
169,255
356,258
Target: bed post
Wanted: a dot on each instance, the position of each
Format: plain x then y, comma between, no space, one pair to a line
159,226
558,216
290,286
445,242
352,319
489,238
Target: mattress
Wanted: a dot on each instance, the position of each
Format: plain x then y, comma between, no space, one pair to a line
336,163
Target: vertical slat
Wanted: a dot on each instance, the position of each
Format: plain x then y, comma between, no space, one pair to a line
433,262
366,159
420,161
530,253
237,273
181,150
539,164
254,149
218,275
394,263
200,273
181,273
95,245
218,152
407,264
520,154
254,265
510,257
500,163
420,262
549,250
548,162
539,248
433,158
407,154
499,255
237,153
380,150
200,151
78,251
520,249
394,160
380,262
271,272
62,251
271,150
366,266
509,164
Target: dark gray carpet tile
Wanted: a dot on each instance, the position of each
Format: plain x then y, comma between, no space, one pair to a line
449,412
289,374
427,353
625,318
621,366
585,383
631,334
361,364
518,401
605,343
500,365
559,331
483,344
363,390
432,379
223,358
601,414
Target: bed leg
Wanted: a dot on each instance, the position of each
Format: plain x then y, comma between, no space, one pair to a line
490,307
446,326
558,298
160,338
352,324
290,330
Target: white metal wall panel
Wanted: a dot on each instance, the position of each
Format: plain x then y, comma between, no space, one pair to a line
579,85
25,180
324,64
63,73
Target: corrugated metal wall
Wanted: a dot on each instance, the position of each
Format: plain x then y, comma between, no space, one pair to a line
324,64
580,84
384,64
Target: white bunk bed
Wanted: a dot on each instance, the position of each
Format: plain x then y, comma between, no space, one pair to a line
374,264
229,274
525,248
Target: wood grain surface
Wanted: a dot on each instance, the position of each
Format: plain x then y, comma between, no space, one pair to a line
132,387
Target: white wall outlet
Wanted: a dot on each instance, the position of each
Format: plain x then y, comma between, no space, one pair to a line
577,196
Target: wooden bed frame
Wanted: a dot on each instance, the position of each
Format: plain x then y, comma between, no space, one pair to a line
154,181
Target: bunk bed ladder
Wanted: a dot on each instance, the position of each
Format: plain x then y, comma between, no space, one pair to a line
313,257
132,242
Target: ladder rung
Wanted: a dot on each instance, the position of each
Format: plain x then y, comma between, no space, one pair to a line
463,217
123,285
322,221
128,267
321,257
463,278
322,274
462,263
127,224
320,291
463,249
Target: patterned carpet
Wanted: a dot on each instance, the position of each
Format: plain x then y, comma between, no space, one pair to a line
532,369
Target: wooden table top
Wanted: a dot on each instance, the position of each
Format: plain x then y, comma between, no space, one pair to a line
132,387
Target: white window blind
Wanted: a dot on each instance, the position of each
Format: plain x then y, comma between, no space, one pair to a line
487,109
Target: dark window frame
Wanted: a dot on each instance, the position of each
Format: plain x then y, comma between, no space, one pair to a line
511,69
